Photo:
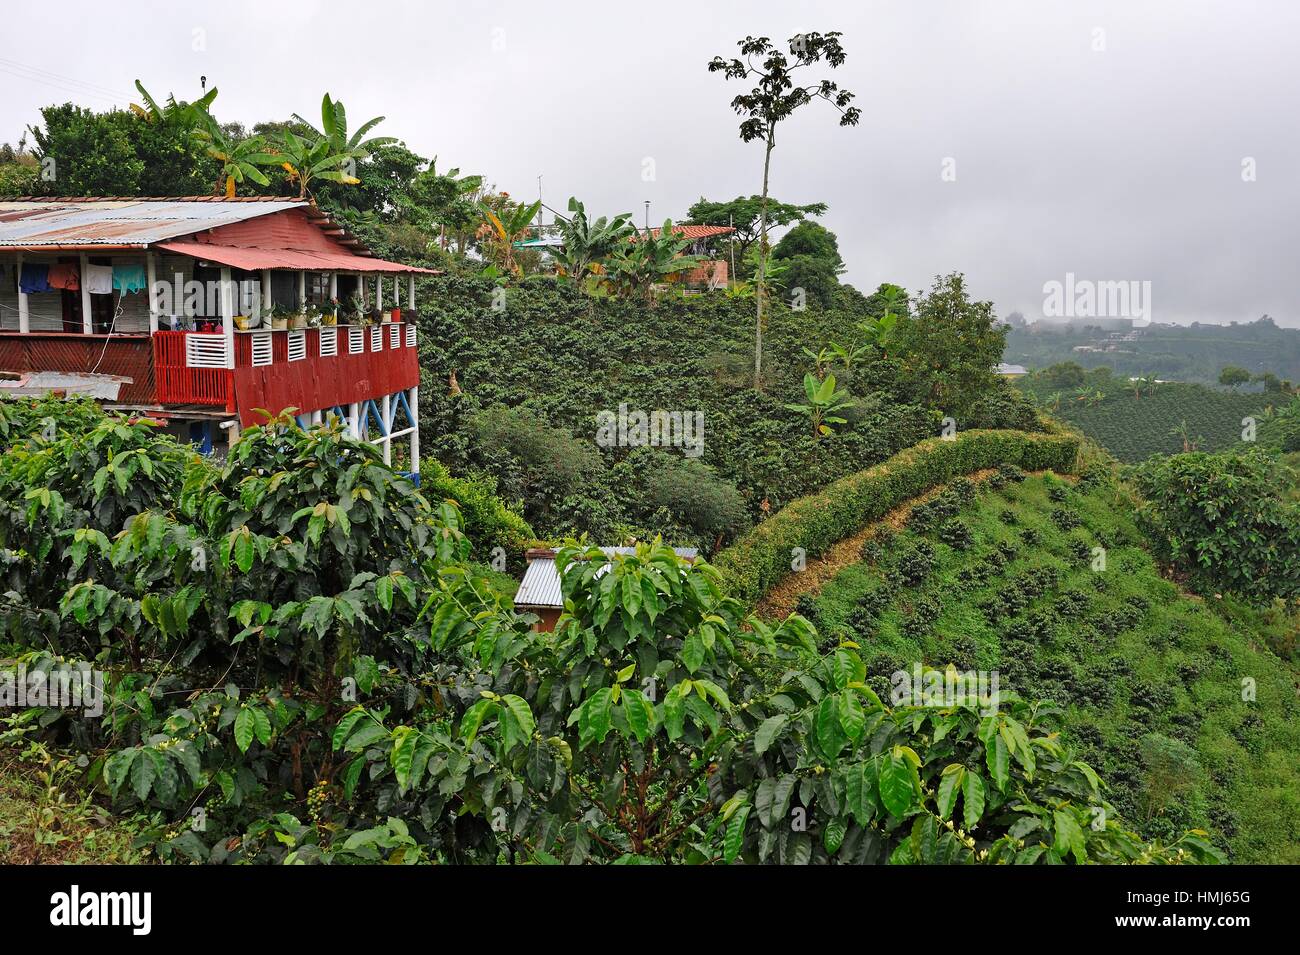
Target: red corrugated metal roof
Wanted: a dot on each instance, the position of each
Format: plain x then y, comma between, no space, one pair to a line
695,231
252,259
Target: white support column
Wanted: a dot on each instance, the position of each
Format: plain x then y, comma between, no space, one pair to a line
302,289
334,292
413,399
151,277
386,410
24,312
379,291
354,419
228,314
87,323
266,298
410,291
361,289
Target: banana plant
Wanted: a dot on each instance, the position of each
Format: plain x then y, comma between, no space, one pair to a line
502,228
334,130
881,330
307,159
824,399
172,110
821,358
239,158
848,355
637,266
588,243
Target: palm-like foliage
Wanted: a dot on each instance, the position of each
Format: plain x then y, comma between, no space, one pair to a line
502,228
239,158
587,243
823,401
172,110
636,266
334,130
307,159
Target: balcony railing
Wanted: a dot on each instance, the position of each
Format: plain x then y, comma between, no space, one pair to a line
309,369
192,368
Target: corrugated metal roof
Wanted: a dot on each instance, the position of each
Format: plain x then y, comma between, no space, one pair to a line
37,383
252,259
687,231
31,223
541,584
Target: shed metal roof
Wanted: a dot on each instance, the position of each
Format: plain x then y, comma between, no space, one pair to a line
33,223
541,584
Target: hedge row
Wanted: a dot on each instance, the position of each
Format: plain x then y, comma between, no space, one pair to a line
763,556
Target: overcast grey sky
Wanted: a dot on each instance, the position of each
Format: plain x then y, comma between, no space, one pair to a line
1105,139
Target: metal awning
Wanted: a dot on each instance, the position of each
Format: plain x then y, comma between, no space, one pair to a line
253,259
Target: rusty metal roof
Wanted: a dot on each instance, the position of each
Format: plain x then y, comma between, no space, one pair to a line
76,221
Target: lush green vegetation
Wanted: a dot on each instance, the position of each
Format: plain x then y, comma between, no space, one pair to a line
513,393
294,645
1178,702
808,526
1195,353
1136,419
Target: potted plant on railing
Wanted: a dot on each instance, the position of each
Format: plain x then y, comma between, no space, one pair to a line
331,313
314,316
299,318
396,314
279,316
383,315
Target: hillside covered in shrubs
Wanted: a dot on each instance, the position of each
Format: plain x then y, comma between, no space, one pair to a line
293,644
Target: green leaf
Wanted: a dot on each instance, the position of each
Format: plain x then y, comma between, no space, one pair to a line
735,837
517,722
143,771
344,729
261,724
1069,837
594,718
949,786
640,714
998,758
833,835
898,783
245,729
693,651
972,795
830,735
767,732
473,719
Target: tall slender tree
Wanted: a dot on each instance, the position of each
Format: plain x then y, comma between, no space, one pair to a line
776,95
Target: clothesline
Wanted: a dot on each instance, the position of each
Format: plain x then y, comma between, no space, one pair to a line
99,279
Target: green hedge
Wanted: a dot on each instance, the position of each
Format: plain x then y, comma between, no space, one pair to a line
488,522
762,557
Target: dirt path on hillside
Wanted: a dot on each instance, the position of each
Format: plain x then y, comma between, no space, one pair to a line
779,602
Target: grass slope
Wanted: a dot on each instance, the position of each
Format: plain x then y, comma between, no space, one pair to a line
1123,651
1133,429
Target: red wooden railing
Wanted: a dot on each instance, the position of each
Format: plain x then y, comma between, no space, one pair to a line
126,356
176,383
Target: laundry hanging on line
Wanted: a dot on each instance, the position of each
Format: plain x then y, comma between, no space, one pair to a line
65,276
34,278
129,278
98,279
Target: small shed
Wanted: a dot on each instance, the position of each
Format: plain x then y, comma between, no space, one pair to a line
540,593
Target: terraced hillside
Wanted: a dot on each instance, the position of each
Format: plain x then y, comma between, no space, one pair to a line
1183,707
1134,427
